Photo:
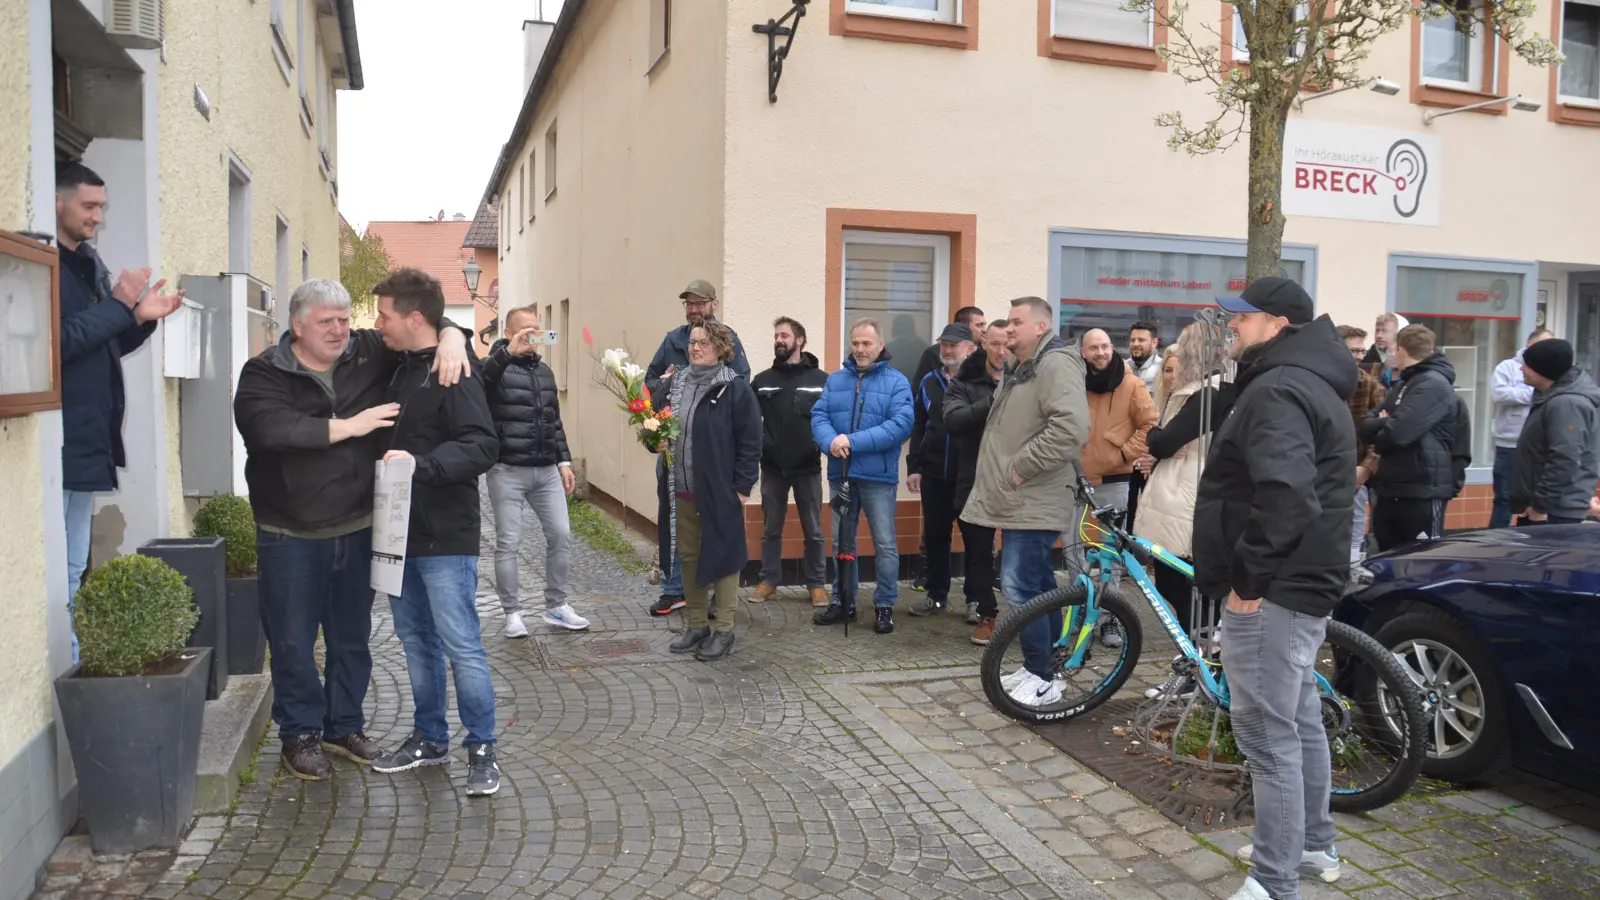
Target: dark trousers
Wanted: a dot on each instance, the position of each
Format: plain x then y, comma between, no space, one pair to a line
938,521
307,585
775,490
979,576
1397,521
1505,459
1523,522
1176,590
671,574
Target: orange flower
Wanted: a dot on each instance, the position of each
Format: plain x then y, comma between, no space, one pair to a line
638,406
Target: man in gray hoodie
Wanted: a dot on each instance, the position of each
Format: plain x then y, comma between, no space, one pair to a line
1557,462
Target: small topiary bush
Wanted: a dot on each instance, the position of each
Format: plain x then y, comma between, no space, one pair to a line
131,613
229,517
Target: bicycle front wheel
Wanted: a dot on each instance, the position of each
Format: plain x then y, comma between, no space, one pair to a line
1377,735
1086,665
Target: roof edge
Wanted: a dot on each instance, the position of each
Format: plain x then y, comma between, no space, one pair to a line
566,23
352,47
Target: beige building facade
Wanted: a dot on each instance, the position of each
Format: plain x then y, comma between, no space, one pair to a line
218,148
924,156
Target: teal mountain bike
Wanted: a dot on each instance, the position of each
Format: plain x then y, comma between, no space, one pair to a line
1373,712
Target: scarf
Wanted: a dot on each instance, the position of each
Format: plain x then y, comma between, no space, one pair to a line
1106,380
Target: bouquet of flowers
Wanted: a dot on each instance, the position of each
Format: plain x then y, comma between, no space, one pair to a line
625,380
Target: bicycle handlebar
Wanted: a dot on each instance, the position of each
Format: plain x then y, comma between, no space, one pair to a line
1085,494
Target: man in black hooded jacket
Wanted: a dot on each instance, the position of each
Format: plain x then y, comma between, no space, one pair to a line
1272,535
790,460
1413,432
966,412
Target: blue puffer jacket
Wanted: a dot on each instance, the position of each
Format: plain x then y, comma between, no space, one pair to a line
883,398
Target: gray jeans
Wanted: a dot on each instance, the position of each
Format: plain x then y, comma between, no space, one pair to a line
775,490
1358,526
540,487
1277,722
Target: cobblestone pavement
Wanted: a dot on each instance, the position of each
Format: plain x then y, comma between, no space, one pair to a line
807,764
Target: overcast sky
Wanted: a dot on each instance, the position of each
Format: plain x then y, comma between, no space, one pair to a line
443,87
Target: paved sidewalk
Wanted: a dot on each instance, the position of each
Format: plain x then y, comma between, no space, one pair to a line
808,764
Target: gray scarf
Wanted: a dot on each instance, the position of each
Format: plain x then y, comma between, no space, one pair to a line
686,392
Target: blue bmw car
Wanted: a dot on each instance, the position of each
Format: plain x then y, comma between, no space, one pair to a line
1501,629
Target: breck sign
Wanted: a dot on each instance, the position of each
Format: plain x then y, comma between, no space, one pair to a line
1336,171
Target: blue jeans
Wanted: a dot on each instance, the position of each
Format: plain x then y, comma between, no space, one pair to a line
1025,573
878,501
436,618
1505,459
305,586
78,507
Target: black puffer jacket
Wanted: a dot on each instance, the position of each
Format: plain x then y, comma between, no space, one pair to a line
786,392
966,409
1414,440
1273,512
526,408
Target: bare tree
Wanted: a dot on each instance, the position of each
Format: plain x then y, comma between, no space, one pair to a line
1297,46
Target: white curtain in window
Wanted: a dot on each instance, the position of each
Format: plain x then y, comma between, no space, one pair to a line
933,10
1451,52
894,284
1580,41
1102,20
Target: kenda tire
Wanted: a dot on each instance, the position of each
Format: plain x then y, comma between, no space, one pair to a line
1009,628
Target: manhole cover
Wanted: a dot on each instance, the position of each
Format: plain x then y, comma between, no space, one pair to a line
1198,800
613,648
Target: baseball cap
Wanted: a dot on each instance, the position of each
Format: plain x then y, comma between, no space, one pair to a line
1275,296
699,288
956,331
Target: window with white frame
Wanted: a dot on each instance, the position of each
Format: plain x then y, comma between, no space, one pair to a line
279,29
533,178
522,193
1241,45
1103,20
1580,42
550,162
923,10
1453,46
902,281
280,270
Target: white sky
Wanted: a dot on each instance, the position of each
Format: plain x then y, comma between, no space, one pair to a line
443,87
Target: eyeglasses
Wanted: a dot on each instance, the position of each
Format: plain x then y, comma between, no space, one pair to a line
695,342
690,304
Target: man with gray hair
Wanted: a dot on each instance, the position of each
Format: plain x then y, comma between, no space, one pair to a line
310,410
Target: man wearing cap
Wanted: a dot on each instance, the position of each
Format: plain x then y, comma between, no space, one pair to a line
1556,469
1271,534
931,465
699,304
972,317
1414,434
1512,397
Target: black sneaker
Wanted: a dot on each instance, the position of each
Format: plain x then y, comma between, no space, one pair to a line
885,623
929,607
304,760
415,752
667,605
690,640
358,748
483,773
832,614
715,647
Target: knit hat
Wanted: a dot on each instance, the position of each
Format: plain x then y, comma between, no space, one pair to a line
1551,357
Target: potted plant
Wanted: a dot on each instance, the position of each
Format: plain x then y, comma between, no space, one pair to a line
133,706
229,517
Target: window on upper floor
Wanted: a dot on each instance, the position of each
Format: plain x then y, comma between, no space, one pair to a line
522,194
660,30
1102,20
279,31
505,222
921,10
550,162
1454,48
1580,42
1241,45
532,180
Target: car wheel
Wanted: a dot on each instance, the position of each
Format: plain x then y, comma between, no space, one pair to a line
1462,694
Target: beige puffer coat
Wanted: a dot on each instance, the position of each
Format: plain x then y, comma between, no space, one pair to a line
1166,508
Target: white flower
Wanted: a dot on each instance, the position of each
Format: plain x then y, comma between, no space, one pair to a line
631,371
650,424
612,359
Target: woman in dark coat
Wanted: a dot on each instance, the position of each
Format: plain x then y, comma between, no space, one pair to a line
714,463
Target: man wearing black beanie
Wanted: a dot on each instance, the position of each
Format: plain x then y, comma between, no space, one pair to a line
1557,460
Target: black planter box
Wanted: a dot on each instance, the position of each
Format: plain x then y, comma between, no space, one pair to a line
247,642
135,744
204,564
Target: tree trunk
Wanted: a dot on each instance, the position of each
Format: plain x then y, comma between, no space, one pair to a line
1265,229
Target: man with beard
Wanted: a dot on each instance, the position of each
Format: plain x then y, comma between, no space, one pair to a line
966,412
699,304
1379,361
972,317
931,465
1142,356
789,458
1271,534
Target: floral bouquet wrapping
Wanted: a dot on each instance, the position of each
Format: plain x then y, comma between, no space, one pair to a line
625,380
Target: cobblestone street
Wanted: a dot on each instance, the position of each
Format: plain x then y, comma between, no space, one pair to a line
809,764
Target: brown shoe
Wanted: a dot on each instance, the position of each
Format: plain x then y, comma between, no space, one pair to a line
358,748
764,592
819,598
304,760
984,631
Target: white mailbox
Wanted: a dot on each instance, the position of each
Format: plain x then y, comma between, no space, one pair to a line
181,341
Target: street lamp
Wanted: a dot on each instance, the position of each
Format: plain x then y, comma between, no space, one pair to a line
1379,85
1517,101
473,272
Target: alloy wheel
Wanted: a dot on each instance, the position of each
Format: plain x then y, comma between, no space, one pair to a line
1453,697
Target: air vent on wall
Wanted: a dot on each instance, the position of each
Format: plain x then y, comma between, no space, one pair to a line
135,24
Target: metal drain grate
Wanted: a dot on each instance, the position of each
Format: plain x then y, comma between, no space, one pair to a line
606,648
1198,800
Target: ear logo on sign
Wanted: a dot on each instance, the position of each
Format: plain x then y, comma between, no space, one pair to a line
1408,168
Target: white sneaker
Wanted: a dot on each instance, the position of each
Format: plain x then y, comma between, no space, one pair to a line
1252,890
514,626
1181,687
1012,679
563,617
1323,865
1035,691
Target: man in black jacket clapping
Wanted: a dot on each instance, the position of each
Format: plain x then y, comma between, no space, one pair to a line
534,467
790,460
449,436
966,411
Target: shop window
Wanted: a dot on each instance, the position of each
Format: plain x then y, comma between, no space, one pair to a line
920,10
902,281
1476,319
1453,49
1585,305
1103,20
1580,42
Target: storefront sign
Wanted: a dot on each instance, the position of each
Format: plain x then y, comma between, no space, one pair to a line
1332,170
1138,276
